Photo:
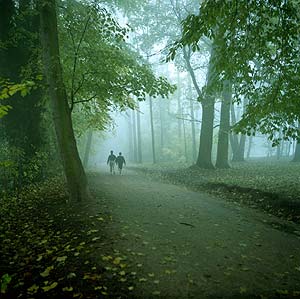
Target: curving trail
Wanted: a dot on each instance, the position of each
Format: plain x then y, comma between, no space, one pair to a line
182,244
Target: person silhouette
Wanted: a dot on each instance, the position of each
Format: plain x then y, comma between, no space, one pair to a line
120,160
111,160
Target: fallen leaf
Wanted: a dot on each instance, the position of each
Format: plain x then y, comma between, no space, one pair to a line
47,271
50,287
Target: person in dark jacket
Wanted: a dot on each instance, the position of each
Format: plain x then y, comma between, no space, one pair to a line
111,160
120,161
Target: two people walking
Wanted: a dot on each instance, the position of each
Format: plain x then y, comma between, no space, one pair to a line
112,160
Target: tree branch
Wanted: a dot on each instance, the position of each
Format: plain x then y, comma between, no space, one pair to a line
84,101
75,61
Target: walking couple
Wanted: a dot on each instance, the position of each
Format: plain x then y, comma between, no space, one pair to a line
112,160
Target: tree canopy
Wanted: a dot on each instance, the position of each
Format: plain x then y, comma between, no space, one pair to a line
258,48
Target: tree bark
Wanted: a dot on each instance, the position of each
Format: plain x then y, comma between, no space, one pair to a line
297,153
73,169
223,140
194,150
237,141
249,146
204,159
87,149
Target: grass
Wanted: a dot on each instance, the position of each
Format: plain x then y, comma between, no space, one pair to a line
273,186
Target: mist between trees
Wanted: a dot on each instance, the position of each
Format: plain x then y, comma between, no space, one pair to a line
200,94
190,85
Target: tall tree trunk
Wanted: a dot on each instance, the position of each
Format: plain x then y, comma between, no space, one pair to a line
134,136
249,146
179,110
223,140
162,128
139,135
204,159
73,169
297,149
130,137
87,149
297,153
185,142
237,141
194,150
152,130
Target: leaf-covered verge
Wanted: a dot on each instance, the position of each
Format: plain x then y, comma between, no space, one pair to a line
50,249
271,186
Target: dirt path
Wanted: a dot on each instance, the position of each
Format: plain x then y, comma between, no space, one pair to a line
176,243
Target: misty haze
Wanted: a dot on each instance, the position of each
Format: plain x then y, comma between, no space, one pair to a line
149,149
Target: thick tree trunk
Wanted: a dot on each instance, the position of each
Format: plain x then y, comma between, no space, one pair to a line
87,149
204,159
139,136
152,130
73,169
237,141
223,140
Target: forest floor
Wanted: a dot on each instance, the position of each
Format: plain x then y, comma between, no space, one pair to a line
142,238
269,185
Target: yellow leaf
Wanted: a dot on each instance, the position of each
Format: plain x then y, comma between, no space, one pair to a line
50,287
130,288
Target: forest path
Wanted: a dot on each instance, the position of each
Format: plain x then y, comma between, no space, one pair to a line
182,244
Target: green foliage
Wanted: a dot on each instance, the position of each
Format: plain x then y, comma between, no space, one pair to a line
257,46
4,282
101,71
8,89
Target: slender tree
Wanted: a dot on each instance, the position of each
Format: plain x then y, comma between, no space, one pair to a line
135,149
152,130
139,135
193,127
